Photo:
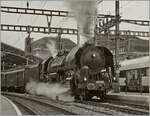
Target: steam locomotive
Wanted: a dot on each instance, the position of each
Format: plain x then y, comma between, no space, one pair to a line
89,70
93,71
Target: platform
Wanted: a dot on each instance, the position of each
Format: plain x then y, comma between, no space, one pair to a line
8,107
130,96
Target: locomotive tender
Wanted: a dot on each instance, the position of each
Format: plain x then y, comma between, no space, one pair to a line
89,68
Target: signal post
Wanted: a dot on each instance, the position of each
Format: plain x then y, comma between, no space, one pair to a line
28,49
117,41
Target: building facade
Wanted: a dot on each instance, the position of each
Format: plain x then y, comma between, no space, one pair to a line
129,46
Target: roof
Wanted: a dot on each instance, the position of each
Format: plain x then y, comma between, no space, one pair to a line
9,48
46,60
135,63
71,54
13,71
57,61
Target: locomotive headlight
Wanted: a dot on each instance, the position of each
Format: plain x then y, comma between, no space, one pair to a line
85,79
93,55
114,78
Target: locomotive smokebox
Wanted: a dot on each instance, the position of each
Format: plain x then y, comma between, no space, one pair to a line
90,56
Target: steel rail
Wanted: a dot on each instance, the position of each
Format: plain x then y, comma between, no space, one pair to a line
125,109
41,102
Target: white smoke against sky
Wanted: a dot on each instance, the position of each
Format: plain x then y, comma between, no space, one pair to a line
52,48
48,90
85,13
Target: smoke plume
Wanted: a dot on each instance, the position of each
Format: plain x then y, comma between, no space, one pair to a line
85,14
48,90
52,48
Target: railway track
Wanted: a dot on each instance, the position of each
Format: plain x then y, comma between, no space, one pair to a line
33,106
32,101
87,107
131,104
118,107
25,110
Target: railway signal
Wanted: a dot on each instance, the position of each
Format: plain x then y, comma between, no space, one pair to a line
28,48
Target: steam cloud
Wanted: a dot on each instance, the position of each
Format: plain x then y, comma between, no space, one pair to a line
52,48
48,90
85,13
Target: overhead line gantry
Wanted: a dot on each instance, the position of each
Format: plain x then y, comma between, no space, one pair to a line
61,13
38,29
102,26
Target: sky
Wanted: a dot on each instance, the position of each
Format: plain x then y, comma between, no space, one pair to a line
128,10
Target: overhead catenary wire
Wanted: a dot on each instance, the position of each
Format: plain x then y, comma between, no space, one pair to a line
99,1
62,20
127,4
36,17
121,7
18,40
18,19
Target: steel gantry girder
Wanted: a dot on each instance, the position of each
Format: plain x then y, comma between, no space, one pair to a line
110,22
38,29
137,22
128,33
61,13
32,11
105,25
35,11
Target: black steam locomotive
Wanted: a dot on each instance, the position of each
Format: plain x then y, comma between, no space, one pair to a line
89,70
93,71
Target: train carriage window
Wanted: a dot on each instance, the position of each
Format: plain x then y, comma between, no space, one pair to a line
143,71
53,79
122,74
97,75
147,71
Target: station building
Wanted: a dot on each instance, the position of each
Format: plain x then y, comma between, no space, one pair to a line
130,47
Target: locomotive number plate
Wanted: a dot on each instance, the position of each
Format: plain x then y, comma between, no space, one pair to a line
100,82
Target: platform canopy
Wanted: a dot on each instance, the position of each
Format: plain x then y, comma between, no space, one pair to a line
141,62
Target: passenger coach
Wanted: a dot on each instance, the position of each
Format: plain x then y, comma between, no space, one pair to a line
134,75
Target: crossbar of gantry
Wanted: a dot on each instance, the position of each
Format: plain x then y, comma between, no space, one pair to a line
129,33
111,23
38,29
137,22
46,12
